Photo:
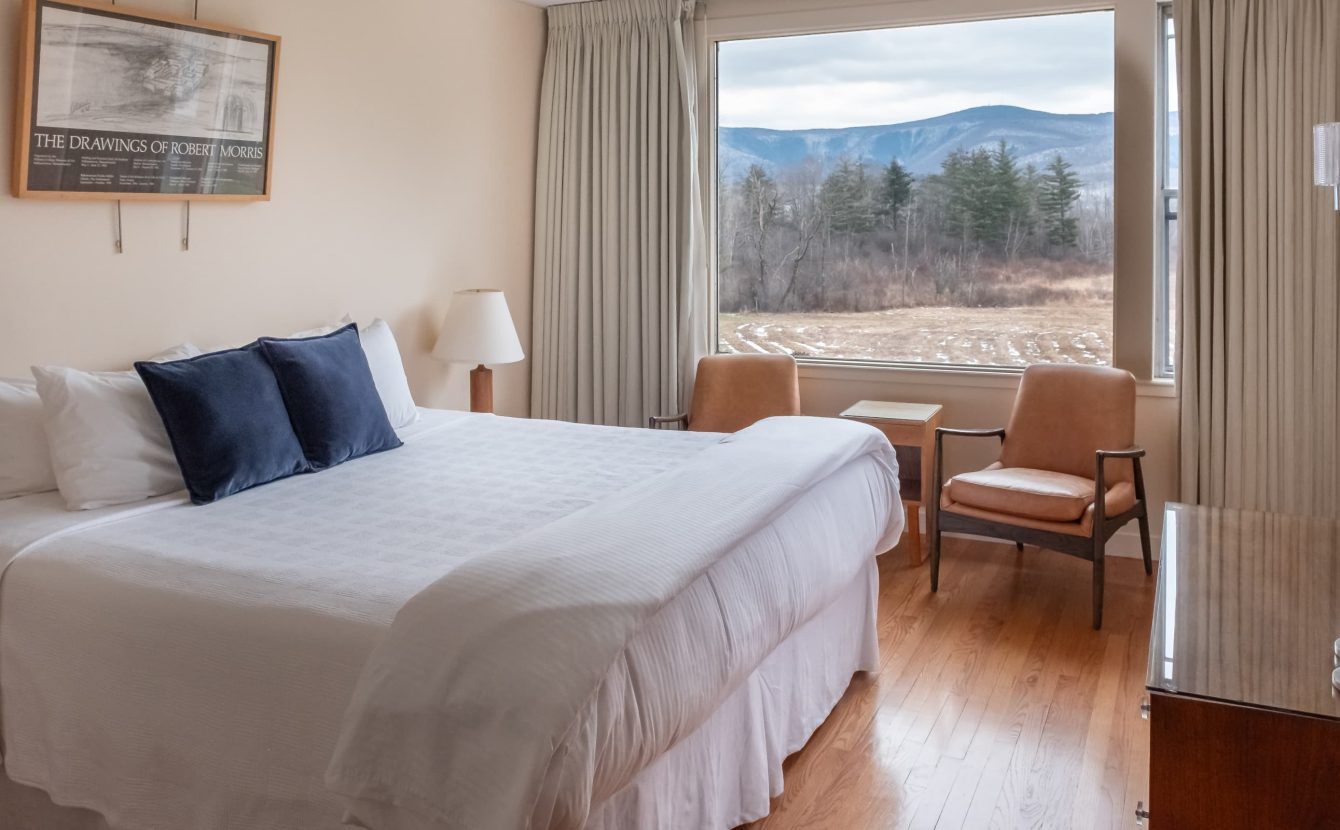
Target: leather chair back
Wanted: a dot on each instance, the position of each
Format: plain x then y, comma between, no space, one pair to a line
1064,414
733,391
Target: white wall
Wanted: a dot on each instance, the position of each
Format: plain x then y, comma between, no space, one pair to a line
981,399
403,170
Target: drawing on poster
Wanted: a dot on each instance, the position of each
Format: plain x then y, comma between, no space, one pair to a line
100,72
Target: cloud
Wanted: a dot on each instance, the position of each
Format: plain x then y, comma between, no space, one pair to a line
1057,63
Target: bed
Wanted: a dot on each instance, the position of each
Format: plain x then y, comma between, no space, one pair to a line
281,659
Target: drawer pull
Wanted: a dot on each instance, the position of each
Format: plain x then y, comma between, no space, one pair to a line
1144,709
1141,814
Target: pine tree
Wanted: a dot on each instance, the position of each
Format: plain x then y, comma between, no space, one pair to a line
1007,196
848,198
972,209
1023,235
1058,192
956,179
895,192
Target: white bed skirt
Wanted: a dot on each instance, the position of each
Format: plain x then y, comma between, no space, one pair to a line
726,772
721,776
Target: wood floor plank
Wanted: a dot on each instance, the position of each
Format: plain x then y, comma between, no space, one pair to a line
985,749
995,705
1025,728
1093,803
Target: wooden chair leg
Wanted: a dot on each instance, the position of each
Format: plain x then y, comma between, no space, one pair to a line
1099,544
1144,543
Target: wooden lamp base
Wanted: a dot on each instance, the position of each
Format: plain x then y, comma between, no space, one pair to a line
481,389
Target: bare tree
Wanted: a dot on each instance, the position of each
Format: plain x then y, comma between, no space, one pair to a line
759,199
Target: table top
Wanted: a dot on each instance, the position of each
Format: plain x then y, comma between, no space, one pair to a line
908,413
1248,609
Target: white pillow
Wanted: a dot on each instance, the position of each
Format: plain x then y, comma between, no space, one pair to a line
316,332
25,463
388,373
320,330
108,444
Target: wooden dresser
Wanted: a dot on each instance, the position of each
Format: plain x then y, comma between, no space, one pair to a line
1244,721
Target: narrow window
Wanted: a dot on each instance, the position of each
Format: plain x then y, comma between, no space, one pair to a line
1166,267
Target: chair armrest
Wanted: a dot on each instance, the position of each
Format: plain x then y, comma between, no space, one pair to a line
971,433
937,465
1100,480
656,421
1132,452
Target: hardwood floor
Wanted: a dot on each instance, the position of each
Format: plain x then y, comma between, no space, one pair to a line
996,705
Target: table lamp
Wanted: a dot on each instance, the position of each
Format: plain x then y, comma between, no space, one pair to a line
479,330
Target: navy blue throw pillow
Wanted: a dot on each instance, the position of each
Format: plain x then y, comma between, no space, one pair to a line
226,419
331,397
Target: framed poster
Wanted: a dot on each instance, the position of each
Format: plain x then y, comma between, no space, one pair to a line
122,104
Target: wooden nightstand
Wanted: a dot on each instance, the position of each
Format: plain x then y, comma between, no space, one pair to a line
910,427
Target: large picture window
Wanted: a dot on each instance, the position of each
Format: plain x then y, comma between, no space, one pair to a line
931,194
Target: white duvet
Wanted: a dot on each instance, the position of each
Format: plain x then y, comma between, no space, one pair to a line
178,667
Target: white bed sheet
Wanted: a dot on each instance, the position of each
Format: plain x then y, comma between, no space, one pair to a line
184,667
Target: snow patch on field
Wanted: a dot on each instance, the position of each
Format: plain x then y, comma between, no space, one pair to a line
962,336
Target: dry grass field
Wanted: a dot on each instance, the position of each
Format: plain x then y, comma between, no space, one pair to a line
1070,333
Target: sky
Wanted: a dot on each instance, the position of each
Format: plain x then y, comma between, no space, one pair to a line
1057,63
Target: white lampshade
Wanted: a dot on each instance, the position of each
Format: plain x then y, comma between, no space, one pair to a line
1326,155
478,330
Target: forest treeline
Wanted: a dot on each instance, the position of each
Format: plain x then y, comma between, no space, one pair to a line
852,236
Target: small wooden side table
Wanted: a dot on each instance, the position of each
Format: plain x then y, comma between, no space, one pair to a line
910,427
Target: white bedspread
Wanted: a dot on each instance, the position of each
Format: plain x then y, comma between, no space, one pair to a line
177,667
446,729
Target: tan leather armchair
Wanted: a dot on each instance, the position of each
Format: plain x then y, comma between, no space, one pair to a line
1068,476
733,391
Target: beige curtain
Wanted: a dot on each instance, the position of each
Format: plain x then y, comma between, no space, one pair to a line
1258,309
619,238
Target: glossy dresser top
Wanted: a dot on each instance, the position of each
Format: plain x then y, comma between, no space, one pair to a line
1248,609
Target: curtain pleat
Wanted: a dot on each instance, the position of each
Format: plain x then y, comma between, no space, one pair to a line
1258,308
620,265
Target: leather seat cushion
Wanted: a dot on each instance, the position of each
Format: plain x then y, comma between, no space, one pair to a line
1018,491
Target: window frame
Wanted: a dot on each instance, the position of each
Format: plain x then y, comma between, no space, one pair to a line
1134,289
1166,206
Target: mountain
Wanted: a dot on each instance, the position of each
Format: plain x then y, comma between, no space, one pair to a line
1085,141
